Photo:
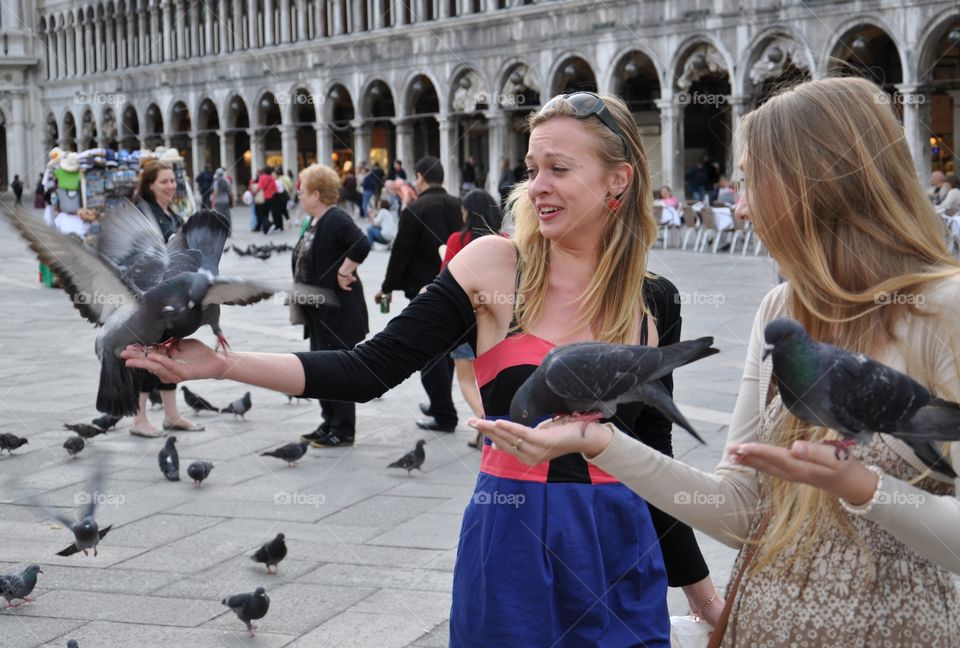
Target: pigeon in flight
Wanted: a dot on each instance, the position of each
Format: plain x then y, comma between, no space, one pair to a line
198,471
196,402
84,430
169,460
588,380
139,289
86,533
11,442
249,607
238,407
271,553
290,453
74,445
412,460
15,587
857,396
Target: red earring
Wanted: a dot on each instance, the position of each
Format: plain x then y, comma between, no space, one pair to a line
613,204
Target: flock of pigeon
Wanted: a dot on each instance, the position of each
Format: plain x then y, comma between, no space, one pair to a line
262,252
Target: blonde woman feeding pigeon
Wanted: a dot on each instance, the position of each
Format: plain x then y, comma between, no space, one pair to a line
841,546
564,555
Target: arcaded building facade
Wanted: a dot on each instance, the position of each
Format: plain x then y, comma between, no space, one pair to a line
243,83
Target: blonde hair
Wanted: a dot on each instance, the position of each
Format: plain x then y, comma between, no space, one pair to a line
320,177
833,194
609,303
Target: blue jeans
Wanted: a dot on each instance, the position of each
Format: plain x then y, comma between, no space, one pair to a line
365,202
374,235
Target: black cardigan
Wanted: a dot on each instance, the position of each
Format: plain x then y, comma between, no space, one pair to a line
442,318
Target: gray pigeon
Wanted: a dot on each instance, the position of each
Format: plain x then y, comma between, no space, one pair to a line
856,396
72,644
74,445
169,460
249,607
19,586
198,471
86,533
589,380
84,430
106,421
11,442
239,407
196,402
290,453
137,288
271,553
412,460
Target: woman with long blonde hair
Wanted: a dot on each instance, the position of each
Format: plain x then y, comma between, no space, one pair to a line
563,555
855,552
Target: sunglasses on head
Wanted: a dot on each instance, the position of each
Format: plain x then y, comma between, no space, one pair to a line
586,105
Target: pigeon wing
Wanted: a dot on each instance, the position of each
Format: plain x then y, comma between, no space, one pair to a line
92,281
597,372
132,240
237,292
869,396
206,232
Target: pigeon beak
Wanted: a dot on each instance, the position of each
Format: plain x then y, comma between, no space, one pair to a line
767,350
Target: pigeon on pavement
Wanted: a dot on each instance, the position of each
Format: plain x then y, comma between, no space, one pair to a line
84,430
169,460
271,553
238,407
412,460
18,586
72,644
139,289
290,453
106,421
588,380
74,445
249,607
857,396
196,402
86,533
198,471
11,442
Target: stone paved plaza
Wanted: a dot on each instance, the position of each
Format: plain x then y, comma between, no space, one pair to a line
371,550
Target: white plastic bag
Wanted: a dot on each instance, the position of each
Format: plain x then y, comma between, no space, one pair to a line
688,632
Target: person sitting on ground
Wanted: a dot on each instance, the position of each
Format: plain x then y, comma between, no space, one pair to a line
383,225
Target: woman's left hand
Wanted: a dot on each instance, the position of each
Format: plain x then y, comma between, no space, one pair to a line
815,464
344,280
550,439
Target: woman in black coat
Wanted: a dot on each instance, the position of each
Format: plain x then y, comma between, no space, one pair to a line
327,256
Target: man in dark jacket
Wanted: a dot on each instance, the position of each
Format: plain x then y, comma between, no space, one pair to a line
204,185
424,226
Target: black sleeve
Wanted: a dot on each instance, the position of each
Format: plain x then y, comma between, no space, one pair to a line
402,250
354,241
681,553
435,322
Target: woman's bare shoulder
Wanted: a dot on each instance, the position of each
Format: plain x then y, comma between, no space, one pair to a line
485,263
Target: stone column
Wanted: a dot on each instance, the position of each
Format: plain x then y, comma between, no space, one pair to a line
208,47
738,107
356,25
288,147
496,136
339,19
268,38
955,97
400,12
916,129
324,144
252,40
17,153
448,154
225,161
194,17
285,21
361,141
167,33
255,162
179,18
405,143
71,63
131,41
239,42
110,25
301,20
142,38
671,145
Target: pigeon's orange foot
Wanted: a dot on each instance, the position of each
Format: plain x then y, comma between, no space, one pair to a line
841,447
222,343
168,346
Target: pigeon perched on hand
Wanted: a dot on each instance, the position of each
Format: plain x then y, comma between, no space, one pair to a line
106,421
74,445
198,471
412,460
238,407
84,430
11,442
196,402
271,553
86,532
18,586
139,289
249,607
290,453
588,380
169,460
857,396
